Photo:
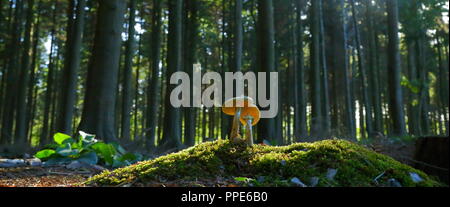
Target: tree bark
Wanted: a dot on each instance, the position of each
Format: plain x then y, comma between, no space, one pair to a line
172,115
266,61
71,68
99,103
154,89
394,71
316,104
20,131
127,74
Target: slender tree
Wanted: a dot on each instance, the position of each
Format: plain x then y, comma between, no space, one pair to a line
300,110
20,131
266,60
191,38
71,68
316,104
172,115
127,74
153,88
363,74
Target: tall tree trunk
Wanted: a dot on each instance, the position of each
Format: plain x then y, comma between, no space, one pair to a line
49,88
127,74
413,112
154,89
300,130
20,131
191,58
325,93
31,100
99,103
394,71
376,99
11,75
266,61
363,73
316,104
172,115
71,68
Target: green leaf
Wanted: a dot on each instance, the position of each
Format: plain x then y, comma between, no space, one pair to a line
69,141
60,137
117,163
45,154
106,151
89,158
119,148
66,150
87,140
128,157
241,179
87,137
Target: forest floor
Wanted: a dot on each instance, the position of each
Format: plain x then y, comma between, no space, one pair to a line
61,176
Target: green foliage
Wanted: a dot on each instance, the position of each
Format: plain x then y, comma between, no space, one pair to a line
86,149
355,165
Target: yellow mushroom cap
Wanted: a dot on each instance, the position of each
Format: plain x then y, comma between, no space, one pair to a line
252,111
229,107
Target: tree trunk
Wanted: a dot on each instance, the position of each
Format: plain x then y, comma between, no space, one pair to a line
266,61
376,99
11,75
300,110
20,133
99,103
172,115
71,68
154,89
127,74
363,73
394,71
325,93
49,88
316,104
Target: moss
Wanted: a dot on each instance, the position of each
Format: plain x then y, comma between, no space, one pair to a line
355,165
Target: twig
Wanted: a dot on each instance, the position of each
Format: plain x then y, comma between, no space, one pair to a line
378,177
424,163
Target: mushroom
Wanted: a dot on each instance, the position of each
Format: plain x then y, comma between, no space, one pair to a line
235,106
250,117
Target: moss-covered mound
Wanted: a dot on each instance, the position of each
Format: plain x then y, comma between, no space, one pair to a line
354,165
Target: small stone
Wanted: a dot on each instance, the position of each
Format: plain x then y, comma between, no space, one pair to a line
74,165
97,167
314,181
34,162
415,177
331,173
12,163
298,182
394,183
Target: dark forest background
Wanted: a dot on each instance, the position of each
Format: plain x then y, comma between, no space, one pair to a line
353,69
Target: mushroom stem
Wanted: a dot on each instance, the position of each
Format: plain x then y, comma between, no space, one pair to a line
249,132
235,128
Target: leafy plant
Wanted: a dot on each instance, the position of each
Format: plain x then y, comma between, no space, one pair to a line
86,149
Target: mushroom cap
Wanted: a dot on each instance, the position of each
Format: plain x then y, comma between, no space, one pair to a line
252,111
229,107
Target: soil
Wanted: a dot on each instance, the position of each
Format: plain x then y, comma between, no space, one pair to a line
41,177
